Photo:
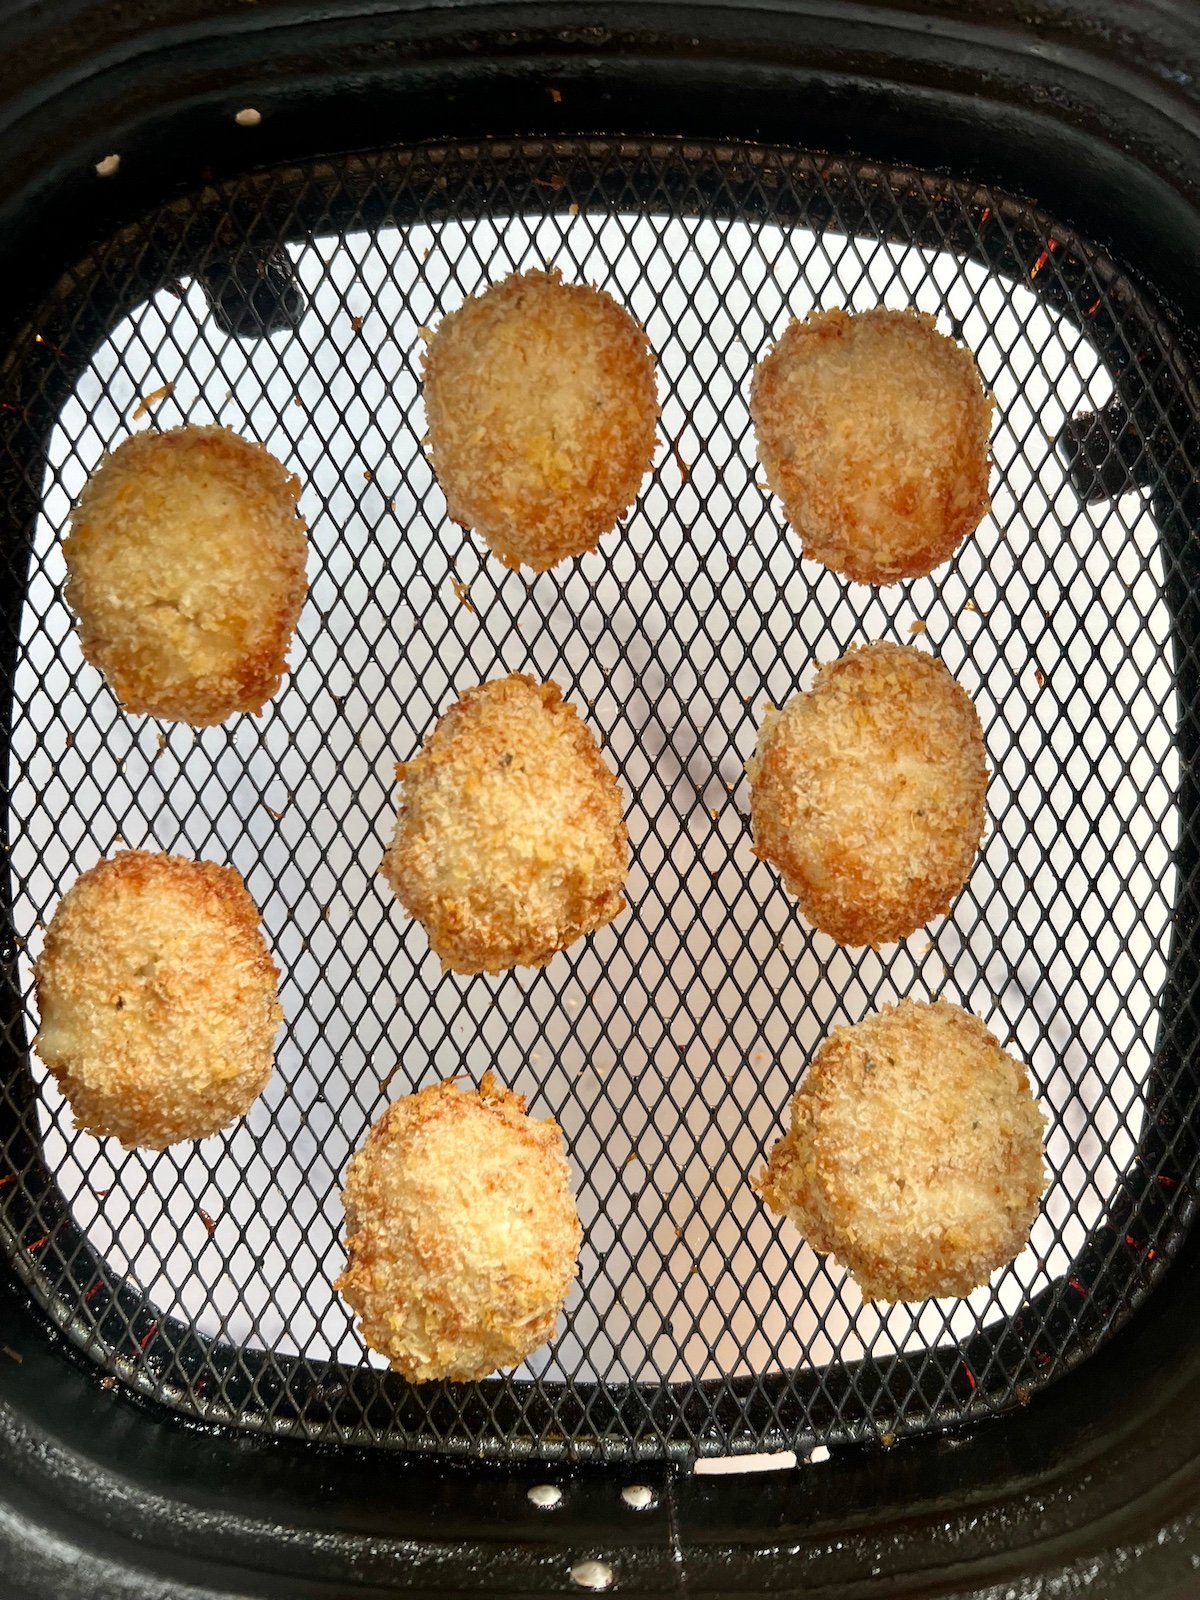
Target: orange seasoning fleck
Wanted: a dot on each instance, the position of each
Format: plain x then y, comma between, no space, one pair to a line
149,401
685,471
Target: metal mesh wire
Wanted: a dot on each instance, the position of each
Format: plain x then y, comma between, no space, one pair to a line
290,306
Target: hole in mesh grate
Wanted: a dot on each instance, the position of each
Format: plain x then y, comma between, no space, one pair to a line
668,1046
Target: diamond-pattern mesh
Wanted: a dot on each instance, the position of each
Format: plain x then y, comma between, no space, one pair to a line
290,305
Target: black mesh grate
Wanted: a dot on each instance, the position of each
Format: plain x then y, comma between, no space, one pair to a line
290,306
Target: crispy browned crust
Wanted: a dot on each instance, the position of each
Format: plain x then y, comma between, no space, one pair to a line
868,793
158,999
510,842
462,1232
873,431
541,406
185,568
914,1153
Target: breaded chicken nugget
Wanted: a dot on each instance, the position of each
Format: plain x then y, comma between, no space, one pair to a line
868,793
158,999
873,431
914,1153
461,1232
185,568
510,843
541,405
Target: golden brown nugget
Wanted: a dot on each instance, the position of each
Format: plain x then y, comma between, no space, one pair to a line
461,1232
185,569
541,406
868,793
873,431
509,843
914,1155
158,999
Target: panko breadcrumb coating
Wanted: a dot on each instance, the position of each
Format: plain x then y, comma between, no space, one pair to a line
461,1232
509,843
185,568
541,405
873,431
914,1154
868,793
158,999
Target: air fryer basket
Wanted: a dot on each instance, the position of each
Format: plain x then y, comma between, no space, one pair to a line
185,1298
292,306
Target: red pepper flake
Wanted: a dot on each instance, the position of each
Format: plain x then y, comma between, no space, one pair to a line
1043,258
1151,1254
1039,677
555,96
1132,1242
1075,1284
38,1243
1167,1183
146,1337
206,1220
93,1291
970,1375
102,1194
987,211
8,1178
1092,309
